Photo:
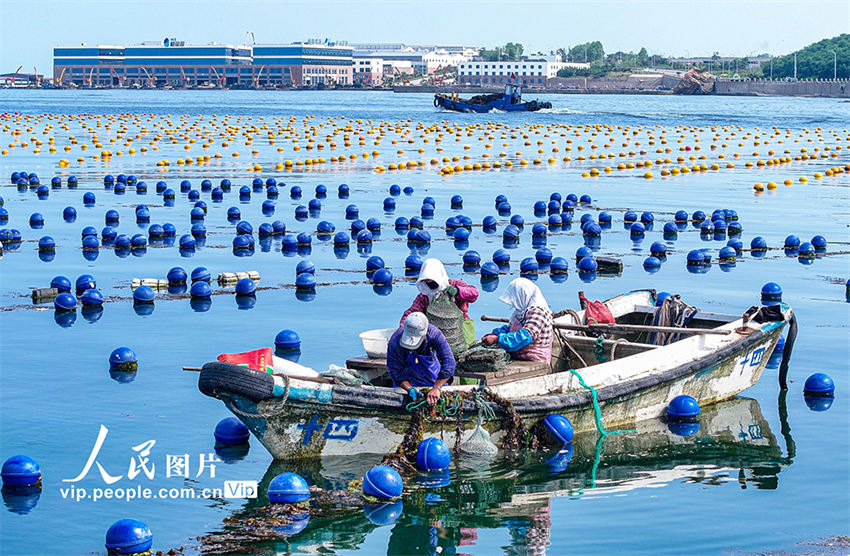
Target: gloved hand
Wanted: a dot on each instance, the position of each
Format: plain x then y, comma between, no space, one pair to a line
414,394
451,290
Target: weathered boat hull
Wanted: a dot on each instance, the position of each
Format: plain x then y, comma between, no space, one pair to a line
304,419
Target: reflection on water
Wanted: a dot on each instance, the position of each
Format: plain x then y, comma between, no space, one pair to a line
733,444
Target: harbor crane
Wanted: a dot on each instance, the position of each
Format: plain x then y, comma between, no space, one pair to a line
259,75
119,78
15,76
219,78
150,77
401,75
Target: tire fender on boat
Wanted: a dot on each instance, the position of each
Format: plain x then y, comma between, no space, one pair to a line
436,102
217,377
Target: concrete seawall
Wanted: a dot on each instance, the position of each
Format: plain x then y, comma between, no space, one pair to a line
658,86
834,89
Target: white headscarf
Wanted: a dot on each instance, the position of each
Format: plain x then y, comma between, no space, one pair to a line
522,294
432,269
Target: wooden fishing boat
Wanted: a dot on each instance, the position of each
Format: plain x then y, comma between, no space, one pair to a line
509,101
717,357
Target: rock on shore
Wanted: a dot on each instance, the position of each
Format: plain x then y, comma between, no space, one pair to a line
695,82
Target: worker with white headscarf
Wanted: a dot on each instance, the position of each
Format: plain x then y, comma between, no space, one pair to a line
433,280
528,336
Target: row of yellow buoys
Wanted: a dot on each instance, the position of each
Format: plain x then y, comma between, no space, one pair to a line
834,171
327,133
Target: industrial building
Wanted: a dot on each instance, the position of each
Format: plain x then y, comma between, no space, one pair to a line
412,59
304,64
172,63
534,72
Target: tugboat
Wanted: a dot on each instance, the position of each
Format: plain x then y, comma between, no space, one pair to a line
509,101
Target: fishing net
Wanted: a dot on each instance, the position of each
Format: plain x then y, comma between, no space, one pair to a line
482,359
443,313
351,377
478,442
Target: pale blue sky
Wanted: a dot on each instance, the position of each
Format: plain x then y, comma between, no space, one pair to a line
30,28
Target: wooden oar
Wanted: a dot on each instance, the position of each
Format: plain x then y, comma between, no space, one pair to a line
319,379
624,327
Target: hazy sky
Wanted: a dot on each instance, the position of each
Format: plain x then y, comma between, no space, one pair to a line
29,29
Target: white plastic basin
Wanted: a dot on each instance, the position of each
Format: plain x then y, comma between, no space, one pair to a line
375,341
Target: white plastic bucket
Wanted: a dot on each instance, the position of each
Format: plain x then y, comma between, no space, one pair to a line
375,341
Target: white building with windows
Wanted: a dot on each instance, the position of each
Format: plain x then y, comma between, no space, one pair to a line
532,72
369,71
414,59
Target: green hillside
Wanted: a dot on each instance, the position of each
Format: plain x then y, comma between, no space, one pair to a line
816,60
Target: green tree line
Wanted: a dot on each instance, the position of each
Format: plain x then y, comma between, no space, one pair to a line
815,61
511,52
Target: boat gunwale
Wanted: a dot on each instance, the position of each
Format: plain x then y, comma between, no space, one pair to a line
354,396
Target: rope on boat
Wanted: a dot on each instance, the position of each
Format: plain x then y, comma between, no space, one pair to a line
445,404
617,342
598,349
597,410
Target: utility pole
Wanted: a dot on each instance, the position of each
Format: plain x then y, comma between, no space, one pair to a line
834,65
795,66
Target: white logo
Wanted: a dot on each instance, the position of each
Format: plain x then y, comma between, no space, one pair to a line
240,489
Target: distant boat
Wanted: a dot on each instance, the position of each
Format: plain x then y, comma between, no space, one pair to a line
509,101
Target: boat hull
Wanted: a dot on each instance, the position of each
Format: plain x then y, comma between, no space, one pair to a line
305,420
502,106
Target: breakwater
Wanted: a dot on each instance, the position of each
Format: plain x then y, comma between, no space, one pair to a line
836,89
660,85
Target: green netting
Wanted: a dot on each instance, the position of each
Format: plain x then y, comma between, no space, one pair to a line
482,359
443,313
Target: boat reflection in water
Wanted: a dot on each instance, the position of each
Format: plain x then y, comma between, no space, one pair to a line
732,443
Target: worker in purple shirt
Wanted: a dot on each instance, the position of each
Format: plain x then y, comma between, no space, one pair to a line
419,355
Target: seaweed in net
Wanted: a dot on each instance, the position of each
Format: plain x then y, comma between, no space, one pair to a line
516,434
403,459
243,532
482,359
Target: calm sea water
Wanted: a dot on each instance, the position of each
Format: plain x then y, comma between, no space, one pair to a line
747,481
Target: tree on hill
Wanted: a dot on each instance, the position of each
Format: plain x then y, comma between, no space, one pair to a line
587,52
510,52
815,61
